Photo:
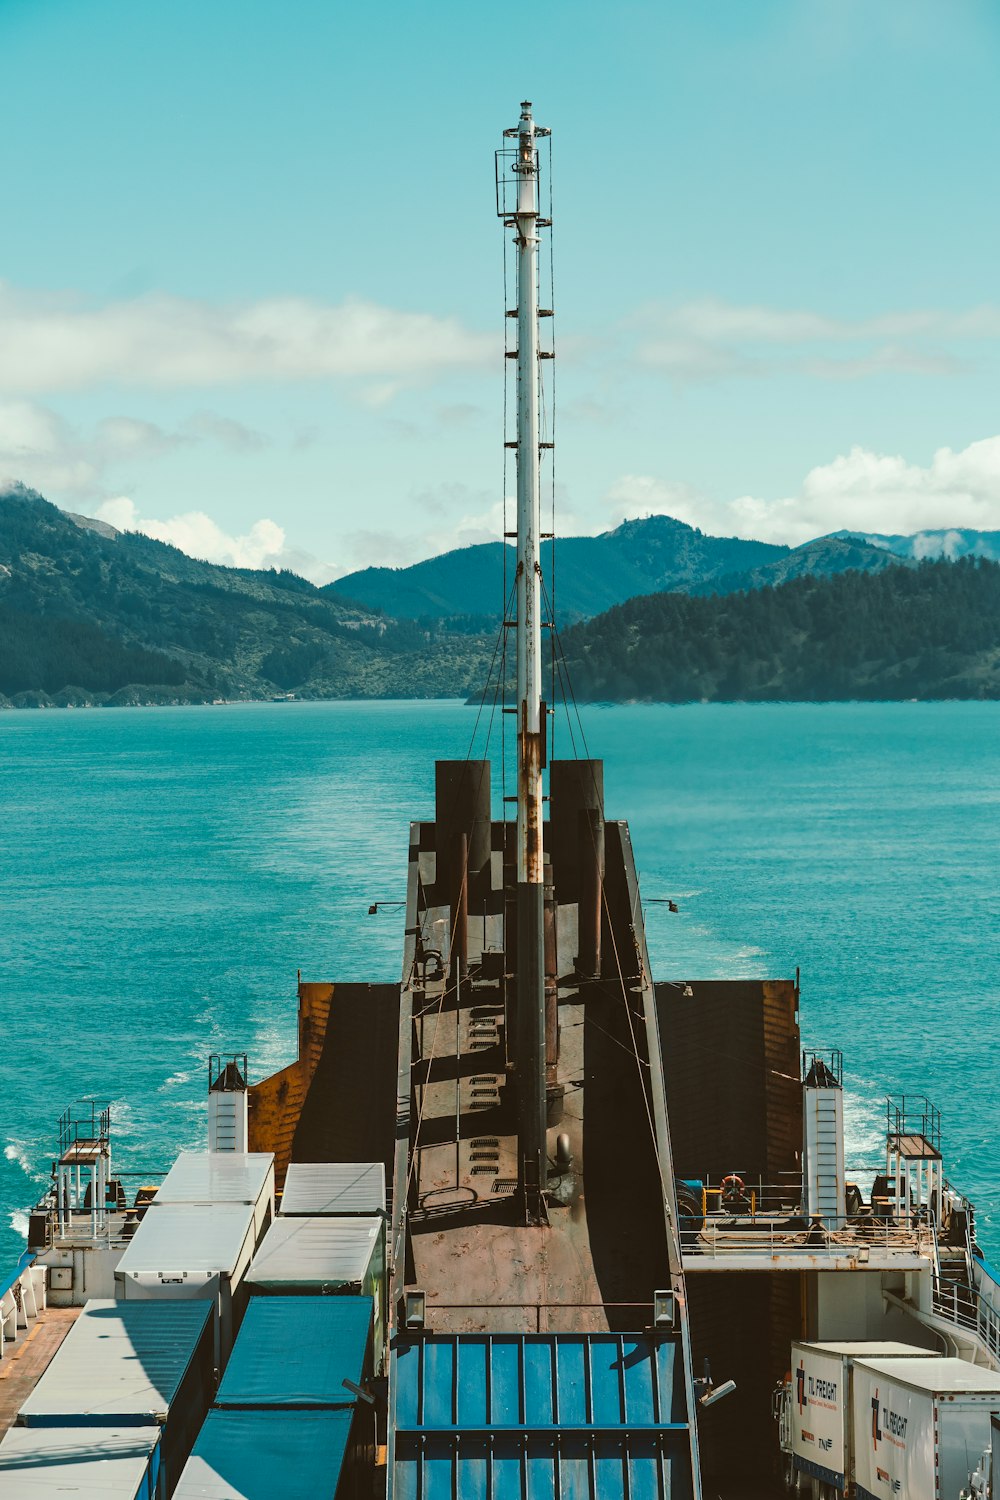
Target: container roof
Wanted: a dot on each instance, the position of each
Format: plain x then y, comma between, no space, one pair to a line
120,1360
189,1237
331,1187
953,1376
107,1461
323,1341
255,1455
316,1252
216,1177
868,1348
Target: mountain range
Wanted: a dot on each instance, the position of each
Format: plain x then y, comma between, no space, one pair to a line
91,614
649,556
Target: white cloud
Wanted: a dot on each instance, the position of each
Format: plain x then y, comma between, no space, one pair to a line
860,491
197,534
225,431
49,344
38,447
710,339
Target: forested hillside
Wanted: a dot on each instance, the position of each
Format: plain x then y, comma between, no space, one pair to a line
87,616
931,631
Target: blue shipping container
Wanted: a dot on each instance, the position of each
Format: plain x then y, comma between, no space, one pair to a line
298,1351
259,1455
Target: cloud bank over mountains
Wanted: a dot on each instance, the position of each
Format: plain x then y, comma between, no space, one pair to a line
145,353
859,491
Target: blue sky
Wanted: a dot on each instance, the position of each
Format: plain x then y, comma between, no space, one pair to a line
251,273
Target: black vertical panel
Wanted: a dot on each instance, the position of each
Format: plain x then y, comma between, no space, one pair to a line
349,1113
730,1055
574,785
462,805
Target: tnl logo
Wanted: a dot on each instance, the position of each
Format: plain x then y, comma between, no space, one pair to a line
800,1386
876,1429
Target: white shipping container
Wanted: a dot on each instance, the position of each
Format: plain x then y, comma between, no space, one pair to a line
190,1250
821,1402
205,1177
919,1426
52,1463
334,1188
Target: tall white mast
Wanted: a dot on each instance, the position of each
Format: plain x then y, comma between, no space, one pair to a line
530,1050
529,633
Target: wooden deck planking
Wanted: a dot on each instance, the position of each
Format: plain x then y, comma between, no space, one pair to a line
23,1368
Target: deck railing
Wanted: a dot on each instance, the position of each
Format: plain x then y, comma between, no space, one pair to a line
968,1309
22,1298
833,1239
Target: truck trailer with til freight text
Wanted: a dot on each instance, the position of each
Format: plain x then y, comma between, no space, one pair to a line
920,1426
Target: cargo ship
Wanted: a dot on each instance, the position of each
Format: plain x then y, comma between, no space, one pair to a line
528,1221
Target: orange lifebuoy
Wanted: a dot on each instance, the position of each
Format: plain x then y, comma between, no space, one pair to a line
731,1188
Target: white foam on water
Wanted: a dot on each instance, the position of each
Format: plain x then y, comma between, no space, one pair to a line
864,1129
19,1223
17,1152
176,1080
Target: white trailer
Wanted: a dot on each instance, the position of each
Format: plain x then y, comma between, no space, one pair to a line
193,1250
819,1408
919,1426
207,1177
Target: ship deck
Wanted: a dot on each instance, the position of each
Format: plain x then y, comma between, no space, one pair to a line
596,1263
24,1367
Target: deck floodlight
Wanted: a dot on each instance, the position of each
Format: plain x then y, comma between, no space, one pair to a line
663,1309
415,1312
716,1393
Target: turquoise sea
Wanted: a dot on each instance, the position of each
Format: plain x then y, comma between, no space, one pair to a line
165,872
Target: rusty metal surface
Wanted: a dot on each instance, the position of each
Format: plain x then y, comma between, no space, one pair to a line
335,1102
603,1252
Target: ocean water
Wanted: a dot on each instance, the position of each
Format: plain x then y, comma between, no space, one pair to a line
165,872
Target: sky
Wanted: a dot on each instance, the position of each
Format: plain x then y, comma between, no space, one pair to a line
251,274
